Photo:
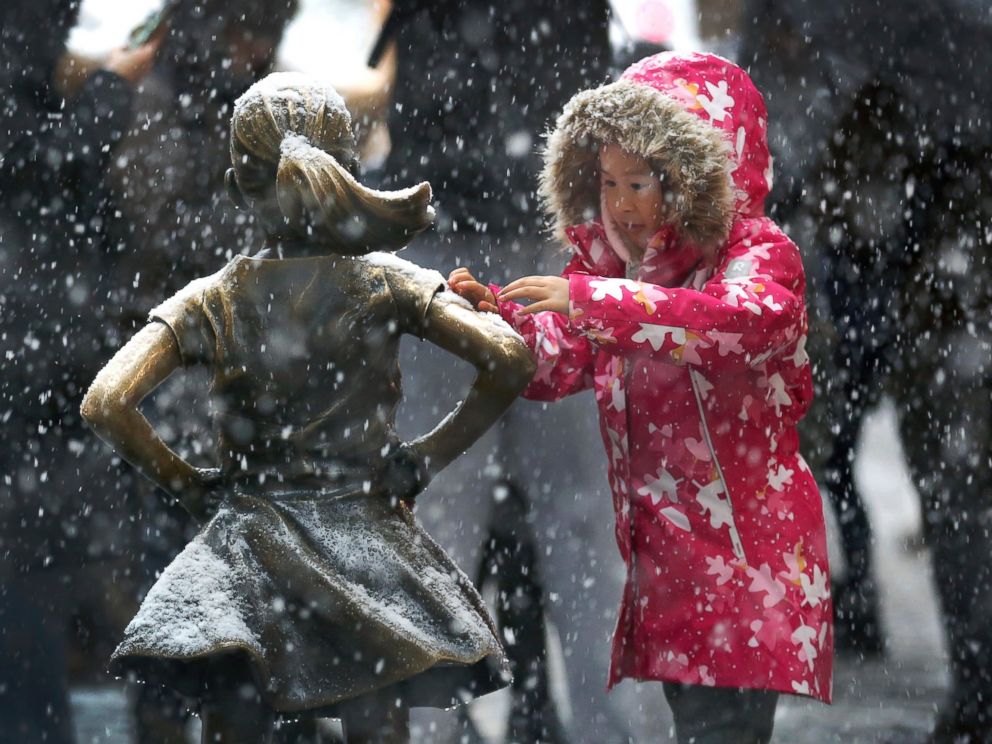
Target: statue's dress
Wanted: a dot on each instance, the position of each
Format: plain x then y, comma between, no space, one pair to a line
309,570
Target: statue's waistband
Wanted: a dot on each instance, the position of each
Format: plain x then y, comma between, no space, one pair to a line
346,474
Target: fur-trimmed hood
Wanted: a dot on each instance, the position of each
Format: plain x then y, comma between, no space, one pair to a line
698,117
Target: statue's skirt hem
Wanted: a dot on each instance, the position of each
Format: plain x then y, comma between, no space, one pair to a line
445,685
320,598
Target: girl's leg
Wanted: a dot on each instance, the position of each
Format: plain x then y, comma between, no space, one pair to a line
376,721
716,715
234,711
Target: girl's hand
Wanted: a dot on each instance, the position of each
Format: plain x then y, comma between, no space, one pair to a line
544,292
465,285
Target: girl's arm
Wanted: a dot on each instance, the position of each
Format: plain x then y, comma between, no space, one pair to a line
564,358
504,365
749,310
111,409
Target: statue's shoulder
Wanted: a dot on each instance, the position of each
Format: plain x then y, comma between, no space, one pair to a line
412,286
399,270
193,293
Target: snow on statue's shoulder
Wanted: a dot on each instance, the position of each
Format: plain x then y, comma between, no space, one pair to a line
408,269
432,277
191,291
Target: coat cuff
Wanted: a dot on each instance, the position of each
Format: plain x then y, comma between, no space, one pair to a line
581,307
506,309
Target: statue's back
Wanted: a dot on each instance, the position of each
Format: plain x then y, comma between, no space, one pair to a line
303,354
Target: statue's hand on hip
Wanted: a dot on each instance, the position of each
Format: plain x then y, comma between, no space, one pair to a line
404,474
204,498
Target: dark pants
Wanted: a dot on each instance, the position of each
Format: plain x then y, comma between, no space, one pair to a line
34,685
911,277
721,715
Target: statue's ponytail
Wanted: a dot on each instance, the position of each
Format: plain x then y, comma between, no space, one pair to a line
293,157
321,200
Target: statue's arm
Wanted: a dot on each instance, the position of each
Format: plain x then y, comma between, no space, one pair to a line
505,366
111,408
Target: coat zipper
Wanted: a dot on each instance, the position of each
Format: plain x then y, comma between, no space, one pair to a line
735,537
632,619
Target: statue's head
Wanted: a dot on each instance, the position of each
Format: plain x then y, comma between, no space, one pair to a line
294,163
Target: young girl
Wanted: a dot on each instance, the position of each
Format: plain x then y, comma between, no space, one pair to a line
310,589
683,308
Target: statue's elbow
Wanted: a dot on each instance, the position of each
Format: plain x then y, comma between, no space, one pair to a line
529,365
523,365
97,407
90,409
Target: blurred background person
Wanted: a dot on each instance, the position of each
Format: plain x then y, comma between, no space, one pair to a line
59,554
167,178
884,155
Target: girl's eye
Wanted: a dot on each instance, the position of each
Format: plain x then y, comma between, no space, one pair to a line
639,186
608,182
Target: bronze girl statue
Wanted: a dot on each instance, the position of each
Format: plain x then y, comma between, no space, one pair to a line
310,589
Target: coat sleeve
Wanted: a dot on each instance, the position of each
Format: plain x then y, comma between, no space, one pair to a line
749,310
564,357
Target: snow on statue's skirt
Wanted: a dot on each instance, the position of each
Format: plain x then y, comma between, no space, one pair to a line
329,595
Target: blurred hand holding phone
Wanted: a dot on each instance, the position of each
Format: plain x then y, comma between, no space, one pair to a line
135,60
154,23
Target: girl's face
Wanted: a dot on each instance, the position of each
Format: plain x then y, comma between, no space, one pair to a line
632,195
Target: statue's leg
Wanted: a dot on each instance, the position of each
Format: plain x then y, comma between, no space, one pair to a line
377,721
235,720
301,731
234,710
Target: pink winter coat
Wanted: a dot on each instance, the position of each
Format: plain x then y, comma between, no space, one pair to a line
700,377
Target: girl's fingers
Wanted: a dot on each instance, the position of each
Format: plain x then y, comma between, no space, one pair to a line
460,275
534,285
476,293
529,281
464,284
525,292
